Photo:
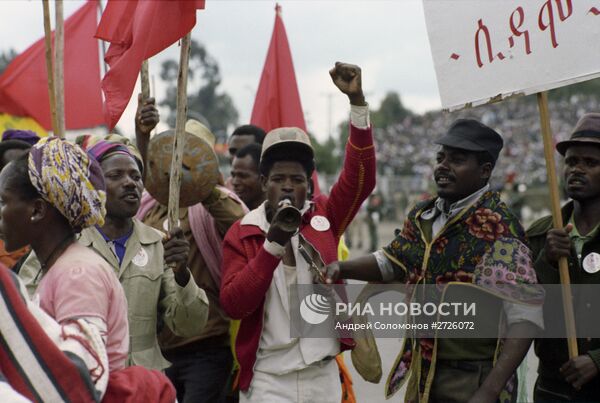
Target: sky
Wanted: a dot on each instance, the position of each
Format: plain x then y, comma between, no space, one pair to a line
387,39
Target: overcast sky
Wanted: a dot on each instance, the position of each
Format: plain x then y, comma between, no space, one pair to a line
388,39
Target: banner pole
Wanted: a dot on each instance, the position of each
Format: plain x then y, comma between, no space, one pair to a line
563,266
102,42
145,80
179,138
50,65
59,78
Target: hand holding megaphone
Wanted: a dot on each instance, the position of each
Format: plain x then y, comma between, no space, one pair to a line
285,222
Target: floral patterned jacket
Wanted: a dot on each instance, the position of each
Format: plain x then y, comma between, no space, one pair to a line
483,246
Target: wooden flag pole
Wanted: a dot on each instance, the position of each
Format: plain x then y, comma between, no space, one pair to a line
59,78
50,65
145,79
179,138
557,220
102,43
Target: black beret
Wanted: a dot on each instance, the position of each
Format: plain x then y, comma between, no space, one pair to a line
471,135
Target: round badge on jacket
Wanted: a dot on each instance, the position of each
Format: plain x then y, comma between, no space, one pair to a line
320,223
141,258
591,263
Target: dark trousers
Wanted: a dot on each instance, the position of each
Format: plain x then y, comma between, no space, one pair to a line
457,381
200,376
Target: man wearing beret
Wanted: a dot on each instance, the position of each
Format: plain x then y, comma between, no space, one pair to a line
465,235
561,378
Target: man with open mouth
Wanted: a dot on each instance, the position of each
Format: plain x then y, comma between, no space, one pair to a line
263,257
465,235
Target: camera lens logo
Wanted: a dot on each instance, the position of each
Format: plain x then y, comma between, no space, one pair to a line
314,309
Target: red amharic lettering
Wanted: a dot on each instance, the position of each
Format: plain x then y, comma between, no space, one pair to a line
514,28
488,44
546,17
550,14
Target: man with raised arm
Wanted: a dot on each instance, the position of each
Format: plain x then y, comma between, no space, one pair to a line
261,259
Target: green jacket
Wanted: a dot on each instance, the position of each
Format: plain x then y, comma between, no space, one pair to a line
553,352
153,296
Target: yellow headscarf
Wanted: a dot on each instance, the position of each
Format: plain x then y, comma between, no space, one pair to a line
68,179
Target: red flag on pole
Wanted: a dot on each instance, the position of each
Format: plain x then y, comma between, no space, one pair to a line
277,102
24,83
138,30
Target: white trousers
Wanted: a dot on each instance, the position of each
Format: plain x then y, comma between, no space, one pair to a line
318,383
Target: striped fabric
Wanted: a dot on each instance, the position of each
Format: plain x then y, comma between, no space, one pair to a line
9,395
29,361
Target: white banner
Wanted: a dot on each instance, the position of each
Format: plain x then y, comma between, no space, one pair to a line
487,50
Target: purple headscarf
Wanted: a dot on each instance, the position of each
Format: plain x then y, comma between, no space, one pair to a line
104,149
23,135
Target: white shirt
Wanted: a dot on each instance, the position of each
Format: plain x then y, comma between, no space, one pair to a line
278,353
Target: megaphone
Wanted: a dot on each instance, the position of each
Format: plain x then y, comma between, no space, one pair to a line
287,216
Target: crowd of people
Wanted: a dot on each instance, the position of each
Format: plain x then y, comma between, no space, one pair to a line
108,296
403,148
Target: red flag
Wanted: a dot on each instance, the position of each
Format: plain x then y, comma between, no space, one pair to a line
24,83
138,30
277,102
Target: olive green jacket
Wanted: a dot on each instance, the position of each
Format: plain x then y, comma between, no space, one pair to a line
153,296
553,352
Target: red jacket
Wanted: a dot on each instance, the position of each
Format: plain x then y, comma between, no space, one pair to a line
248,268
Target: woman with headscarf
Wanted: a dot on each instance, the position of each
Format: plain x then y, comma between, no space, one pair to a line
46,197
157,283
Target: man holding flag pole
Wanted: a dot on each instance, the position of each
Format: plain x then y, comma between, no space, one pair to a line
138,30
560,377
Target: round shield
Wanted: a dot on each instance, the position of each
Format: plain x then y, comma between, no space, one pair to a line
200,169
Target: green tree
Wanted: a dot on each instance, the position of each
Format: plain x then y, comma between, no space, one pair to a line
390,111
204,98
5,58
327,156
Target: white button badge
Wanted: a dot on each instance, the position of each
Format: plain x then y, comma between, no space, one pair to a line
591,263
320,223
141,258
